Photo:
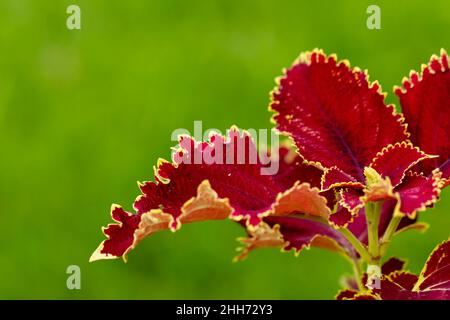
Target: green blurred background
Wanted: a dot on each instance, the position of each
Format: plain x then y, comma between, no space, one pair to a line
84,114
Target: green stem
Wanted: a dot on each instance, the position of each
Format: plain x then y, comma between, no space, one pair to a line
357,271
373,218
390,231
359,247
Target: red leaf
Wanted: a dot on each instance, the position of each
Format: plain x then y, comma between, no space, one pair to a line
334,115
404,279
341,218
351,199
417,192
425,101
189,190
294,233
120,236
293,168
433,282
299,233
356,223
436,273
346,294
395,160
264,236
333,178
392,265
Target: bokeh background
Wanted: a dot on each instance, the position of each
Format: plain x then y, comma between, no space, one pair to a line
84,114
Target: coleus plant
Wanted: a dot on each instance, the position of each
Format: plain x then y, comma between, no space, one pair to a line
355,175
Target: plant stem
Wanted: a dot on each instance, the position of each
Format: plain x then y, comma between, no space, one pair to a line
373,218
390,231
359,247
357,272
